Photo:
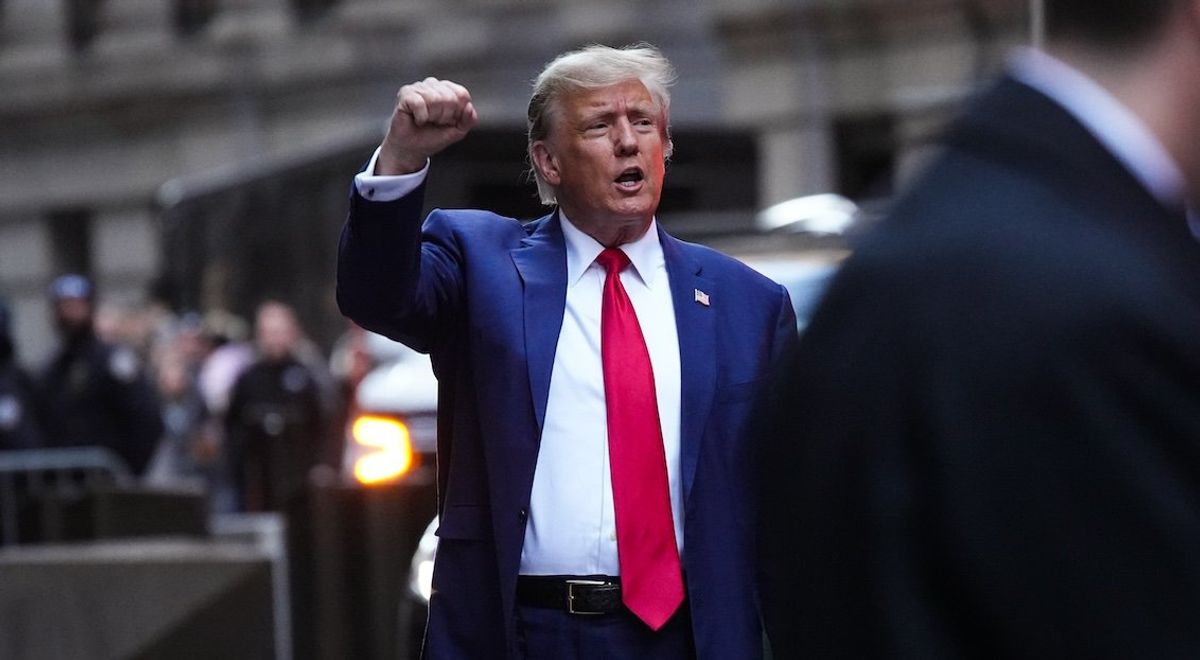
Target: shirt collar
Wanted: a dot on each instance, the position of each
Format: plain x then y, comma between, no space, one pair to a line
645,253
1116,127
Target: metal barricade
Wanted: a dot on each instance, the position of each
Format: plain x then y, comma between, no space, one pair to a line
27,476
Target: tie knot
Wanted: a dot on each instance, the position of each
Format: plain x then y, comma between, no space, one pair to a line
613,260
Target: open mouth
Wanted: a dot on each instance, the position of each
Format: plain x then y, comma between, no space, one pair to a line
630,178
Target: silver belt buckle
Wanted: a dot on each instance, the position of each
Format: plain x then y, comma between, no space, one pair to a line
571,584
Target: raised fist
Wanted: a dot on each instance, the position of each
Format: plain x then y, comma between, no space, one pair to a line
429,116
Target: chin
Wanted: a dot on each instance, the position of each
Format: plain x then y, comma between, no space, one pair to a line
635,209
635,218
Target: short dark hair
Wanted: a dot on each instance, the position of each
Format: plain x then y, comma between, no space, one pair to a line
1112,23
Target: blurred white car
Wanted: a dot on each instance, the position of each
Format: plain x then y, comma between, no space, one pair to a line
805,278
826,214
392,430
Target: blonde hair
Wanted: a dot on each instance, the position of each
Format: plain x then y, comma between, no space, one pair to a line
595,67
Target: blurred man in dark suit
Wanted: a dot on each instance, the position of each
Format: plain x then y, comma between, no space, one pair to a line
988,445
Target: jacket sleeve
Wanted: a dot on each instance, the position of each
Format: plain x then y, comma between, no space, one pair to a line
393,278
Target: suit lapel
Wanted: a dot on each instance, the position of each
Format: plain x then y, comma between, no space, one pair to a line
542,262
695,323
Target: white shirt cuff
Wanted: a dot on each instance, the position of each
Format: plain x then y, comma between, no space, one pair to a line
377,188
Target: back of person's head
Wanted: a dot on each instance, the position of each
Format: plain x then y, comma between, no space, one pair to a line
596,67
1116,24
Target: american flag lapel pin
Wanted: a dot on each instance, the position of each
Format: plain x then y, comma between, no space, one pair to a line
702,297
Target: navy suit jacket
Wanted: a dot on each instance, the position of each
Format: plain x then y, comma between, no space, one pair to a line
987,445
485,296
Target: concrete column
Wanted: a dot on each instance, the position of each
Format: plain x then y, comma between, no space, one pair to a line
125,253
778,81
795,160
25,257
25,270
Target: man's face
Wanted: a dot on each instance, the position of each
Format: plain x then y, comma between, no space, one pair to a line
276,333
605,157
73,315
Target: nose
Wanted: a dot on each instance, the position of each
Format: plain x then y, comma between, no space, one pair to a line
624,138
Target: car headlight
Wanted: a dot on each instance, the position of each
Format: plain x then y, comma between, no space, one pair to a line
420,577
388,445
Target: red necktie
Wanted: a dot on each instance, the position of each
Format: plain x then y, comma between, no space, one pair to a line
651,579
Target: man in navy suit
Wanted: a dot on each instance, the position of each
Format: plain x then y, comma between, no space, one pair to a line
542,386
988,445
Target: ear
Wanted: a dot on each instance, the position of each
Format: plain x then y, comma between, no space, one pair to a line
545,162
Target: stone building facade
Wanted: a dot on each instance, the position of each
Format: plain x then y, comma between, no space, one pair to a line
113,111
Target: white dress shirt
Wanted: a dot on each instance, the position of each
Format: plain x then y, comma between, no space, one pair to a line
1116,127
571,529
388,188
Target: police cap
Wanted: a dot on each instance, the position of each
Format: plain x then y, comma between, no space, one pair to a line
72,286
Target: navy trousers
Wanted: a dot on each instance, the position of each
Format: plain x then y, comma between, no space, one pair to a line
549,634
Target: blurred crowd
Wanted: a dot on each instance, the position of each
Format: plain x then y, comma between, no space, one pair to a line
244,410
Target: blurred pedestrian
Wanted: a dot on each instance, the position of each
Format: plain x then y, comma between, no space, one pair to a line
988,445
274,422
349,362
93,393
183,456
18,422
275,432
229,355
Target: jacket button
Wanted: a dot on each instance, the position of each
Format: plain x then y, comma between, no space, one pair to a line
523,515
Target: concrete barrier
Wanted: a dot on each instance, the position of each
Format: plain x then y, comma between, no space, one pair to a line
140,600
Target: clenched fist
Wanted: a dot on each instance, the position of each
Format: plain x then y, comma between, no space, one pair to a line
429,116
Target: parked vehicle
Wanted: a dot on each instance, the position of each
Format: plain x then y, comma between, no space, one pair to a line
392,431
805,278
388,452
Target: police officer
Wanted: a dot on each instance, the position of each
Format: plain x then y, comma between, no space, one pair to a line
18,422
93,393
275,420
275,428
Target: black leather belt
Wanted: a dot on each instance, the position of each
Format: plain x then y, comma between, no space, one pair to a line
596,594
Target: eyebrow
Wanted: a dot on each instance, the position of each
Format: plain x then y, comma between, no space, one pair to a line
635,109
